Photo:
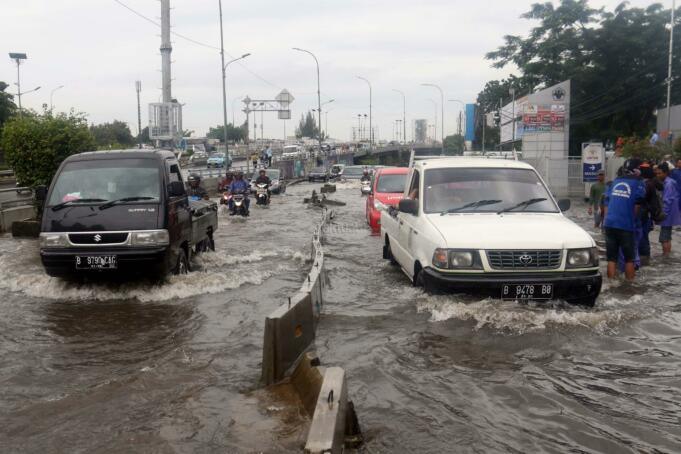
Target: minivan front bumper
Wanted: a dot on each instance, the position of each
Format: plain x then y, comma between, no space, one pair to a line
138,260
576,286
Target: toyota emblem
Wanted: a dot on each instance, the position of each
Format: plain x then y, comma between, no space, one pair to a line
98,238
525,259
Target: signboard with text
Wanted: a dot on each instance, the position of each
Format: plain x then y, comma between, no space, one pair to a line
593,160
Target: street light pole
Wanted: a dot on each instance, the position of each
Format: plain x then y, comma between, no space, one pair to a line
371,131
434,136
224,78
404,115
669,74
138,89
52,94
442,104
319,101
511,91
461,120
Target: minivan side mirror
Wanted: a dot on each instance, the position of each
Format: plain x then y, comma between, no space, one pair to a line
176,189
40,193
564,204
410,206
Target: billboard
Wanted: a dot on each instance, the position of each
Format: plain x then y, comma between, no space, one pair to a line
469,133
593,159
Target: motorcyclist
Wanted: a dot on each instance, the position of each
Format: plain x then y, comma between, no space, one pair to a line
365,176
264,179
239,186
195,189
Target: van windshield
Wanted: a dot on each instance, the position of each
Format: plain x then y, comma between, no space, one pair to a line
107,179
453,188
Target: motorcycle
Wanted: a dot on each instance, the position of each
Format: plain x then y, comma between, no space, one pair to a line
366,187
261,195
238,204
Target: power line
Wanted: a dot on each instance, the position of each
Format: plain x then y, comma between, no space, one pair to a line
198,43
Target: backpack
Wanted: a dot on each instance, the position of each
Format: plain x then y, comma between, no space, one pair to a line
655,207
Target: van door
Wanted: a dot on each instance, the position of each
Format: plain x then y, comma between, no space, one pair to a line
178,214
405,227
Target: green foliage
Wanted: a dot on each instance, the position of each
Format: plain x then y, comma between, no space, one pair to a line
617,62
7,106
145,136
633,147
234,134
307,127
113,135
35,145
454,144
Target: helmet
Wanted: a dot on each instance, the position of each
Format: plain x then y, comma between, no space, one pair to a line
262,171
193,177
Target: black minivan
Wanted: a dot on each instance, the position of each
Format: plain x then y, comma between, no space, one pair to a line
122,211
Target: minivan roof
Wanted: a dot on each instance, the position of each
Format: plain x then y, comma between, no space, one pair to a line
466,162
117,154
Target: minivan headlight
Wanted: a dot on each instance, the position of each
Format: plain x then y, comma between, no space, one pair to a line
151,238
580,258
53,240
457,259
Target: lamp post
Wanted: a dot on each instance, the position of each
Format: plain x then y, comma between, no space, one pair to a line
461,127
52,94
511,91
435,125
319,100
371,131
442,106
320,125
404,114
18,57
669,74
224,77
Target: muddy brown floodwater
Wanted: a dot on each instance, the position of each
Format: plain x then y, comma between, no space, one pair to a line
174,367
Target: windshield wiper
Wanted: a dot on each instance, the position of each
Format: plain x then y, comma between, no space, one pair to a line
59,206
477,204
124,199
523,205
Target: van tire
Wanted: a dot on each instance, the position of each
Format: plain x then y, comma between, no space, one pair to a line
182,266
389,253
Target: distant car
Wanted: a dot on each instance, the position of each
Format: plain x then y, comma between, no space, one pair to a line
352,172
278,185
217,160
387,189
318,174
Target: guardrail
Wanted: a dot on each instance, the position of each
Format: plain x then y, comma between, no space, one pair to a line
15,197
6,173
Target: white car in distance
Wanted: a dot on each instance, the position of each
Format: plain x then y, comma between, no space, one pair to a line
490,226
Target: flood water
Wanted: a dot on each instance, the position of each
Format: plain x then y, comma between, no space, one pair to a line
174,367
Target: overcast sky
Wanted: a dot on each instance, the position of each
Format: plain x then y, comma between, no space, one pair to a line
98,48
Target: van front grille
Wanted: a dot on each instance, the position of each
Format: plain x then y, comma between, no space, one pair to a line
511,260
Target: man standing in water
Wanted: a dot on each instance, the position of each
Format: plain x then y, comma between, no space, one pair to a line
622,201
595,194
670,206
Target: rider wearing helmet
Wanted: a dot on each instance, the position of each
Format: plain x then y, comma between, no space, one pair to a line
239,186
365,175
195,189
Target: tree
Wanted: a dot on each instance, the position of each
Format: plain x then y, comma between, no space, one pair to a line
307,127
7,106
36,144
145,136
454,144
234,134
112,135
617,62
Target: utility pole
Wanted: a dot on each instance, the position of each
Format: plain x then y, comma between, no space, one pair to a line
166,49
404,115
484,121
669,74
442,106
319,101
512,93
138,89
18,57
371,130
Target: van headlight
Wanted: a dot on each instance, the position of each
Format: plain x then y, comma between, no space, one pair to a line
151,238
457,259
54,240
581,258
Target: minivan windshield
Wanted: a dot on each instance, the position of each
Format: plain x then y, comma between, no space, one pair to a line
353,171
497,189
391,183
106,180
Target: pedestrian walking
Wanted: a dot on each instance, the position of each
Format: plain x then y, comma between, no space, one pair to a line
595,195
649,212
623,199
654,137
670,206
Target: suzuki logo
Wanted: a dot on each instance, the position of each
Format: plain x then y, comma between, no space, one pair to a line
525,259
98,238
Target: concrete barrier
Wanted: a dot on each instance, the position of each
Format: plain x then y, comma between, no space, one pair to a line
290,329
327,431
9,216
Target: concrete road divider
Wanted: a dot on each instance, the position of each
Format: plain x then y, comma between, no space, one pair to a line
327,431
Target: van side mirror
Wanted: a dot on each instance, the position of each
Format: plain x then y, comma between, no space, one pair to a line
176,189
564,204
40,193
409,206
